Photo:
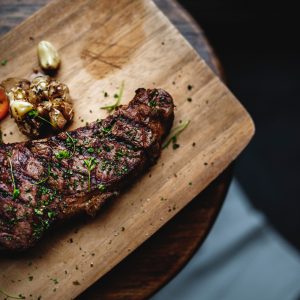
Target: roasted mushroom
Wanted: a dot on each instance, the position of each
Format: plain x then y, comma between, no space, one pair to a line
39,106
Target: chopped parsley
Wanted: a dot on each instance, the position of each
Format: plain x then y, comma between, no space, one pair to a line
91,150
175,145
120,153
90,165
152,103
101,187
106,130
55,281
4,62
38,211
51,214
63,154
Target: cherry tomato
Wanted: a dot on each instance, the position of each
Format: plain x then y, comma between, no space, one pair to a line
4,105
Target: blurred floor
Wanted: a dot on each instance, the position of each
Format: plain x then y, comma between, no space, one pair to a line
257,43
242,258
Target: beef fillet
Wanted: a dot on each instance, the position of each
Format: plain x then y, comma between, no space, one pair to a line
44,181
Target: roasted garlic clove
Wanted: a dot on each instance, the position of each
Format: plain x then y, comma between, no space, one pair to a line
57,119
19,108
48,56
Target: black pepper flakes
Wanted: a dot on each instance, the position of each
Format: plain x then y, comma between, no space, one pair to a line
189,87
175,146
76,282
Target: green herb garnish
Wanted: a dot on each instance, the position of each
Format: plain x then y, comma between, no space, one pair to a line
120,153
38,211
71,141
90,164
4,62
106,130
51,214
91,150
152,103
16,192
175,132
101,187
11,297
63,154
35,114
44,179
111,108
55,281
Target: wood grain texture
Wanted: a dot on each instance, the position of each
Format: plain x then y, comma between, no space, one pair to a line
221,130
13,12
161,257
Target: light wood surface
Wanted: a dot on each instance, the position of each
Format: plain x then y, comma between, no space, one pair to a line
103,43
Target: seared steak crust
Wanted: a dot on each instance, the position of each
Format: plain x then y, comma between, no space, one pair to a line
52,179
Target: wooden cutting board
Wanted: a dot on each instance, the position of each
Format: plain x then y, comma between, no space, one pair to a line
103,43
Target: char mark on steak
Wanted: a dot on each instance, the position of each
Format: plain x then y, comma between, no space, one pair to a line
44,181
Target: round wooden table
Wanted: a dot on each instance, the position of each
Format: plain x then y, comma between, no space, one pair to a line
162,256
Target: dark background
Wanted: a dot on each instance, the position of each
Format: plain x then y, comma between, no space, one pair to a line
258,45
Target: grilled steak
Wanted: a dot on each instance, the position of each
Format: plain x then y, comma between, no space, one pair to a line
44,181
